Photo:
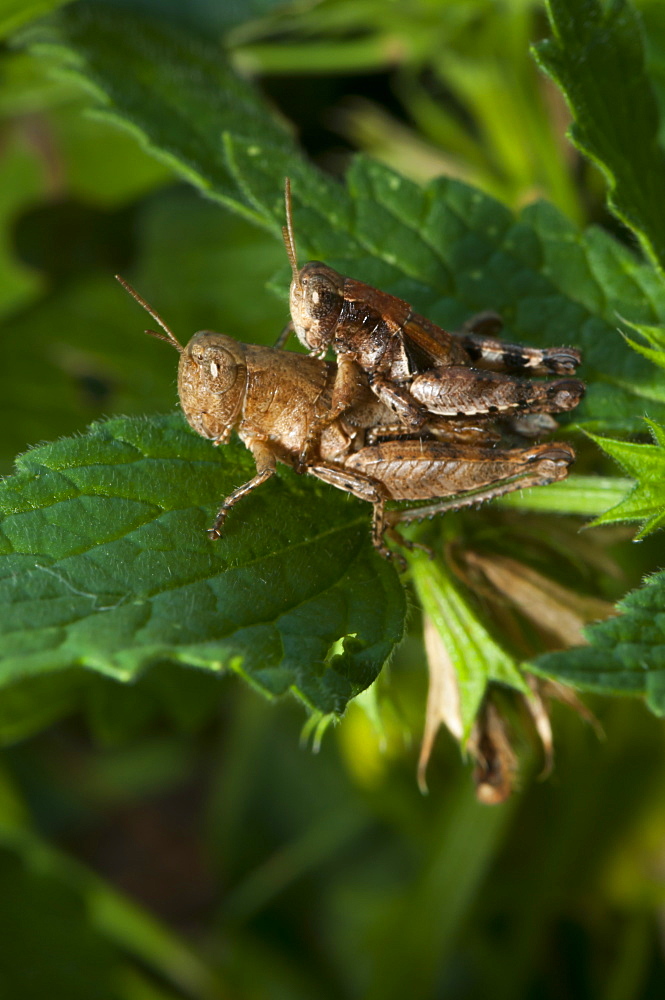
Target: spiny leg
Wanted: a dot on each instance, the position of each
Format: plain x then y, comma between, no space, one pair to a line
455,476
265,468
445,471
382,529
548,464
365,488
379,528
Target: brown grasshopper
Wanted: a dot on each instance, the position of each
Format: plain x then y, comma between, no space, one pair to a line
272,399
416,368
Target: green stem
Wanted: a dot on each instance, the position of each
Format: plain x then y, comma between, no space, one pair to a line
585,496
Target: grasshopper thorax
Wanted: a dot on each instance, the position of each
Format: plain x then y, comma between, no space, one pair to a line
212,382
316,301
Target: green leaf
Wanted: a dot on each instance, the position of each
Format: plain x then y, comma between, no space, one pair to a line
654,335
645,463
597,58
15,13
626,654
175,92
447,248
106,565
99,165
475,654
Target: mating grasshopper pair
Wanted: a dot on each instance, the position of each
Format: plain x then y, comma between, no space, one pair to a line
409,412
417,369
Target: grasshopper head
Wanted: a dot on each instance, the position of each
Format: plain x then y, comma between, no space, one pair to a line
212,375
317,292
316,300
212,381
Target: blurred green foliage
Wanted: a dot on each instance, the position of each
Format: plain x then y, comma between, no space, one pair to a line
228,861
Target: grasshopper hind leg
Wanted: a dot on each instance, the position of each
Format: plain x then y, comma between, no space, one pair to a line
479,336
365,488
545,464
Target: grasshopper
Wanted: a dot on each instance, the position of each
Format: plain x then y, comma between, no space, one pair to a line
273,398
416,368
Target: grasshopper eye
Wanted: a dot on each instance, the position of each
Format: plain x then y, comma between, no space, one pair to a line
316,300
223,368
321,296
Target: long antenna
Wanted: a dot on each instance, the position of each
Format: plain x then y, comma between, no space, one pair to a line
287,230
169,338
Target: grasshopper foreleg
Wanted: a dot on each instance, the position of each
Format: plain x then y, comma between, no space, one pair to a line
265,468
410,413
284,335
349,387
